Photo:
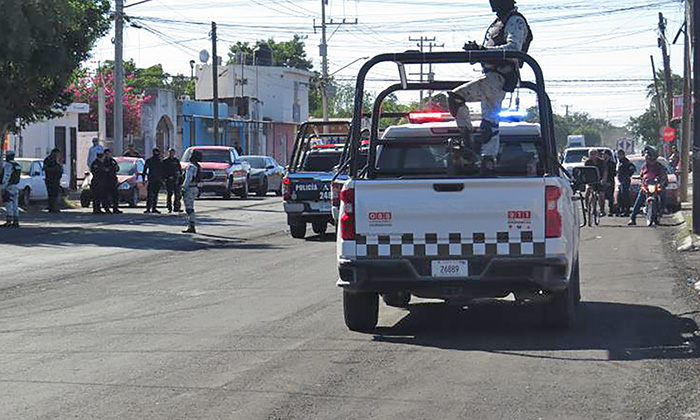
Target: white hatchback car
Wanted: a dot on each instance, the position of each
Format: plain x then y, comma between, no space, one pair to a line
32,185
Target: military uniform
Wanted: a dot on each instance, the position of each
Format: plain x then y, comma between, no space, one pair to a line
99,185
53,170
112,184
190,191
12,172
509,33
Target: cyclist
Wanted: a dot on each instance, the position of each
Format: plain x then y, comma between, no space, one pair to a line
595,160
651,170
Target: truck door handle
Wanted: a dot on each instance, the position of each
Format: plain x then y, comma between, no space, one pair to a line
448,187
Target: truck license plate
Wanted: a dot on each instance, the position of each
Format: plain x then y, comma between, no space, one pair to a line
321,206
450,268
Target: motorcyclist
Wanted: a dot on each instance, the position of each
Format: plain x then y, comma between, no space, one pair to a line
190,189
173,179
652,170
509,32
12,172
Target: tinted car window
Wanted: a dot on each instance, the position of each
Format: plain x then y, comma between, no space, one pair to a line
575,156
210,155
320,161
255,162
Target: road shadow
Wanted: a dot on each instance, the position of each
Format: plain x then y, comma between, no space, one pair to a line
625,331
326,237
166,240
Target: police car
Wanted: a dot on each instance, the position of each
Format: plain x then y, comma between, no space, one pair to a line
412,228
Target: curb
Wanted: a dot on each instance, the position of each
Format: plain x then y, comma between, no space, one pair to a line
688,241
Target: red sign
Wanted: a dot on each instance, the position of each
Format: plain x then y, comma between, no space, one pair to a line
669,134
678,107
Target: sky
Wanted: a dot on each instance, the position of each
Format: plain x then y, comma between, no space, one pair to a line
594,53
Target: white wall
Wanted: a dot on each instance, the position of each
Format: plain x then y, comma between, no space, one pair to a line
273,86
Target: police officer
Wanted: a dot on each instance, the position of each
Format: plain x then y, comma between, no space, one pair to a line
53,171
190,188
173,181
509,32
12,172
111,181
98,185
153,172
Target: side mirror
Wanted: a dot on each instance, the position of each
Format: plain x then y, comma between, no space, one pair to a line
585,175
36,173
270,167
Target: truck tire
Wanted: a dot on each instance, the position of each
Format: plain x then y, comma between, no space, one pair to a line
560,312
361,310
397,299
298,230
320,228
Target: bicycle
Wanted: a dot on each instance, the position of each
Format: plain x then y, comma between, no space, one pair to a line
591,205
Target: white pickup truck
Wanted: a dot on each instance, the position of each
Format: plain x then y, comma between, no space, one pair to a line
411,225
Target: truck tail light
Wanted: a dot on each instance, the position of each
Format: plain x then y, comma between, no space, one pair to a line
347,219
336,187
553,221
287,188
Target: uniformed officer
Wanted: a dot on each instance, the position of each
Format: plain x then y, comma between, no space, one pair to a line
509,32
153,172
173,181
190,188
12,172
53,171
112,181
98,185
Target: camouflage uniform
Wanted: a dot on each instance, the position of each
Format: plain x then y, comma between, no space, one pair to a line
509,34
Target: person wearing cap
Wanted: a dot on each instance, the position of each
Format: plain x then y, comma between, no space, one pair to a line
190,189
53,170
111,181
12,172
509,32
173,179
651,170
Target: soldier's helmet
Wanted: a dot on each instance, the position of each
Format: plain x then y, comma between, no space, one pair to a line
10,155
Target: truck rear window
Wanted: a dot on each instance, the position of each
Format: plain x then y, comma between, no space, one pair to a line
519,156
320,161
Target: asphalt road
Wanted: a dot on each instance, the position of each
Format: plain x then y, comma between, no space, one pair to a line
123,317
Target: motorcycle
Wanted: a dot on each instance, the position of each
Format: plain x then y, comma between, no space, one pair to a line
654,209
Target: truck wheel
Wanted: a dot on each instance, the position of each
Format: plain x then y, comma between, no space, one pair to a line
361,310
560,312
298,230
397,299
320,228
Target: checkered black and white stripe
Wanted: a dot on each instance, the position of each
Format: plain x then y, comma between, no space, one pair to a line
452,245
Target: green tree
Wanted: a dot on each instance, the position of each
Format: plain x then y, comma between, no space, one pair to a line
290,53
576,123
42,43
647,126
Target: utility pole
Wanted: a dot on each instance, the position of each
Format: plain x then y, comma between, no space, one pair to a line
567,109
696,117
421,44
687,101
431,75
668,81
323,50
659,104
118,145
215,82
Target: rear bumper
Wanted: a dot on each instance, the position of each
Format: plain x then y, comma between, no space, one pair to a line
494,278
300,211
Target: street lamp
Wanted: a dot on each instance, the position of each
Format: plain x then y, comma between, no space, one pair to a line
192,63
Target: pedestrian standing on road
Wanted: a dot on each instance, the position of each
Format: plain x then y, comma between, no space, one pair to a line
53,171
509,32
595,160
190,189
98,185
173,181
131,151
625,170
94,150
112,181
153,172
238,148
609,181
674,159
12,172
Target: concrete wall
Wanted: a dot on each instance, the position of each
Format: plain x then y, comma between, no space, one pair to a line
159,121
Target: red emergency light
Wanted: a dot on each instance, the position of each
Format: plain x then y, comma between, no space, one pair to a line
420,117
